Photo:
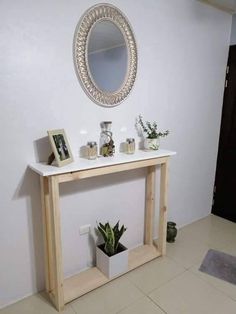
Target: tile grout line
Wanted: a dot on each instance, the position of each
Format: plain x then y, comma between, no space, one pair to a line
167,282
143,295
73,310
177,262
175,276
156,304
131,304
123,307
211,285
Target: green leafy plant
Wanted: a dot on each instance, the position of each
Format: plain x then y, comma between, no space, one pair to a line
111,236
151,128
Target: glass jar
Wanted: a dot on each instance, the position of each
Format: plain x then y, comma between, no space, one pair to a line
107,146
92,150
130,145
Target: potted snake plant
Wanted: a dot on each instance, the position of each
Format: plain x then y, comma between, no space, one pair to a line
151,134
111,256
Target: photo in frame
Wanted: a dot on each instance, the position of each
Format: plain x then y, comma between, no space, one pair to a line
60,147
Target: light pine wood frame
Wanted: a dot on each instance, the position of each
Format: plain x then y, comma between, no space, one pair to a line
63,291
66,161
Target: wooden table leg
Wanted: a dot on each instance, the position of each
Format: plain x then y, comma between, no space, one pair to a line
46,214
163,208
55,235
44,201
149,206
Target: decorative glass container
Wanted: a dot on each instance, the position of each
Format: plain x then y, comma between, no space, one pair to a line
107,147
130,145
151,143
92,150
171,232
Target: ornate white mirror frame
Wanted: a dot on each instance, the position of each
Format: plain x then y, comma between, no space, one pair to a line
98,13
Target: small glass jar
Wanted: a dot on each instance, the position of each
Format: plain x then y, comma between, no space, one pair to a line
130,145
92,150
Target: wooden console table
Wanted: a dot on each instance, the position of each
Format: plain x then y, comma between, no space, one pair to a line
62,291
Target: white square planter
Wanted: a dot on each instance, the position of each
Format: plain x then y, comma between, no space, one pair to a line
112,266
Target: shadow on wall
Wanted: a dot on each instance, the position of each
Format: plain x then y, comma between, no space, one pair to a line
29,188
42,149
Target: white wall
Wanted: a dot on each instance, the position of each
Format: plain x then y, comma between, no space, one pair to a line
233,31
182,48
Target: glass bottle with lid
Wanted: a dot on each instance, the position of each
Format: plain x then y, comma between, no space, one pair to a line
107,147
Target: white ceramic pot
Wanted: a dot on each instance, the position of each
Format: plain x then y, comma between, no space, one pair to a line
151,143
112,266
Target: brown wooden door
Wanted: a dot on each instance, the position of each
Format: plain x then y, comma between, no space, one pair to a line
224,203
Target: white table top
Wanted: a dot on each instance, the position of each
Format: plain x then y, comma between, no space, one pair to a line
84,164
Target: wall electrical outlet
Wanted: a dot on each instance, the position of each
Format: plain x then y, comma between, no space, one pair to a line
84,229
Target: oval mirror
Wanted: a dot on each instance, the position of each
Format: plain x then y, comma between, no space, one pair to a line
105,55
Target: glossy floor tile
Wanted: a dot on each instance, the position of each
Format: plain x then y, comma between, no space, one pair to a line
154,274
187,253
171,284
213,231
36,304
142,306
111,298
189,294
224,286
194,240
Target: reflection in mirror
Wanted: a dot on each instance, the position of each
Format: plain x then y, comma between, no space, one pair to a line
107,56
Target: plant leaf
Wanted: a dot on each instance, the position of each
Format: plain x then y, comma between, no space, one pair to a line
103,233
111,236
110,244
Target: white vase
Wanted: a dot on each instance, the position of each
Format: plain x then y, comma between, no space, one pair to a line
112,266
151,143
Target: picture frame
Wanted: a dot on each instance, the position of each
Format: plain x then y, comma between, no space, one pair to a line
60,147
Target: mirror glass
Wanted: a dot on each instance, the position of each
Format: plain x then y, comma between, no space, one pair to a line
107,56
